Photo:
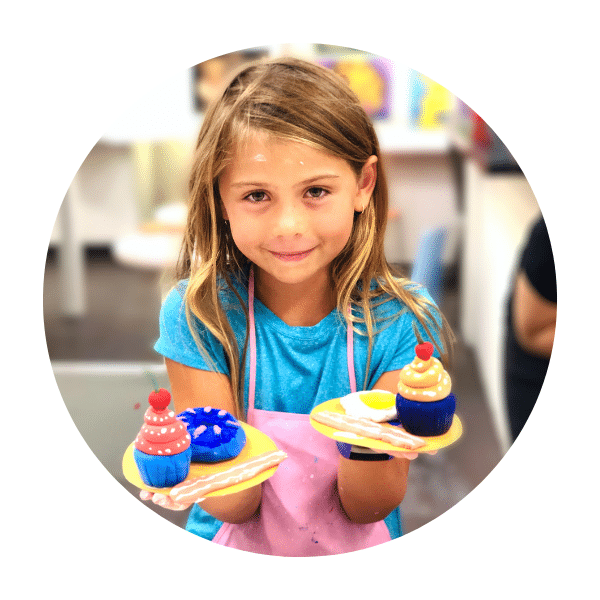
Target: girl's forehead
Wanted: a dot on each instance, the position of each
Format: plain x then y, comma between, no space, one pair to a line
262,146
248,141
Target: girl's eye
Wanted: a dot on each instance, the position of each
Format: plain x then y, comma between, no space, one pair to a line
316,193
256,197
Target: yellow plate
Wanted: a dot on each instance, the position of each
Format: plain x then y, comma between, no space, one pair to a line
432,442
256,443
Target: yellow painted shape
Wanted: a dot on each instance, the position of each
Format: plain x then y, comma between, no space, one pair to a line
365,82
431,442
256,443
436,103
378,399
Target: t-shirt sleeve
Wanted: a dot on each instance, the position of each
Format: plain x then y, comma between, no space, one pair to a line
537,261
395,345
177,342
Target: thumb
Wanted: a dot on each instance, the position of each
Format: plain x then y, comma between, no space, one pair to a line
407,455
410,455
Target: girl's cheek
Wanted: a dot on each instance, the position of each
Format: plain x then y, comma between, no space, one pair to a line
244,235
336,227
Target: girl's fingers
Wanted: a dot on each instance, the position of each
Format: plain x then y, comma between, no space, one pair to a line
166,501
163,500
411,455
407,455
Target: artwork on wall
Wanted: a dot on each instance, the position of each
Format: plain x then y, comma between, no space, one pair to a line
369,76
430,103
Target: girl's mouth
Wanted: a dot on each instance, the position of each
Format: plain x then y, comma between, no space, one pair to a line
291,256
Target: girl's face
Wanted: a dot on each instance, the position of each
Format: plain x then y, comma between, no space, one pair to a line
291,207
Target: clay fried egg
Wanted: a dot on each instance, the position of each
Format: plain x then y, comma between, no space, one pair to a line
377,405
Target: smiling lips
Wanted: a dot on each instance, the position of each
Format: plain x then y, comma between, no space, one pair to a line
291,256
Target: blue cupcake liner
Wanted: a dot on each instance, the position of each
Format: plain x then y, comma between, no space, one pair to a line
426,418
163,471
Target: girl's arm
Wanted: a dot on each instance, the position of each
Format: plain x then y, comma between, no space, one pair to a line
534,318
191,388
371,490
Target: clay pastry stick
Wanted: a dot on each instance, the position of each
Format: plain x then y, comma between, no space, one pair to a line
369,429
195,489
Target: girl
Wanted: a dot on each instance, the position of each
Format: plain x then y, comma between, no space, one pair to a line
286,300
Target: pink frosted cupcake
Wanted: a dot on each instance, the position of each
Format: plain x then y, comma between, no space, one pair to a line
162,450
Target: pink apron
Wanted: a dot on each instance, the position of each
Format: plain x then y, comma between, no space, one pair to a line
300,512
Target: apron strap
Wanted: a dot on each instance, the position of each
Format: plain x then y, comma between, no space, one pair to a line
350,356
252,326
252,384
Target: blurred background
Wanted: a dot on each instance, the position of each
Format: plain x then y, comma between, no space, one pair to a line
460,212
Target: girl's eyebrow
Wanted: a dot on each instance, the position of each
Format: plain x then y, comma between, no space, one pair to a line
258,184
318,178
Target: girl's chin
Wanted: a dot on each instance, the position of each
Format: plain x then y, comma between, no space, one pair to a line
291,274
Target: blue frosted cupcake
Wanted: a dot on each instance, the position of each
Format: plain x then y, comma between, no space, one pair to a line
424,403
162,450
216,435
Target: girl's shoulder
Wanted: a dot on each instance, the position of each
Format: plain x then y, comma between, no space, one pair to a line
227,295
174,311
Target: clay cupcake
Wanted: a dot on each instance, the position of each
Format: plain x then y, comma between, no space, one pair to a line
162,450
216,434
424,402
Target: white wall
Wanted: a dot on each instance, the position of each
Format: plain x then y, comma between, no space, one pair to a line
104,199
422,188
500,209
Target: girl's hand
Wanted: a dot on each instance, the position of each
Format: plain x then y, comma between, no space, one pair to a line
345,450
409,455
163,500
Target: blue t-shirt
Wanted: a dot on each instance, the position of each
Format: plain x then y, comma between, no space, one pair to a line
297,367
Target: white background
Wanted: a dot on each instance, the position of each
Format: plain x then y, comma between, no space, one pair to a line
69,69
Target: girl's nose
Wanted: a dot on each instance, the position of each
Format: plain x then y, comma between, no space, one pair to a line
289,220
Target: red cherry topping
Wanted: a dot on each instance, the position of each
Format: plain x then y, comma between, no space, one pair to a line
424,351
159,400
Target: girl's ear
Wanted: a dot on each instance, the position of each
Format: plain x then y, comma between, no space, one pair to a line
366,184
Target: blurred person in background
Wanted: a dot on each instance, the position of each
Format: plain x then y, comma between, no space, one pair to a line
531,314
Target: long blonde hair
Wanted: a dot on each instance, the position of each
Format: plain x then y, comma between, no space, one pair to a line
295,100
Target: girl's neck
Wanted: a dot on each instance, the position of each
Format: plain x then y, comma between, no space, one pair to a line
297,304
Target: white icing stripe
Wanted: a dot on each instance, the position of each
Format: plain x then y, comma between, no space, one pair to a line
369,429
195,489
